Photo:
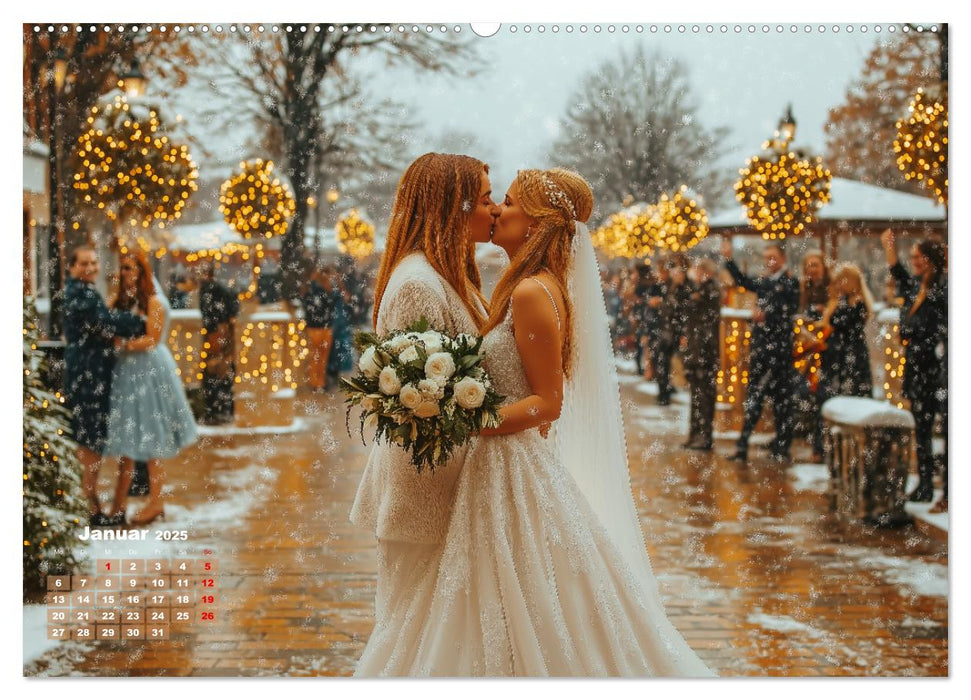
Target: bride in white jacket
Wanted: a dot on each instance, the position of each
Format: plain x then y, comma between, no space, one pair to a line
442,207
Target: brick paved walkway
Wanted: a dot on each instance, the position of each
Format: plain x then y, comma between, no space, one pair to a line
754,573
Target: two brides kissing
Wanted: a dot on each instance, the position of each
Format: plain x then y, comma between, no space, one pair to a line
523,554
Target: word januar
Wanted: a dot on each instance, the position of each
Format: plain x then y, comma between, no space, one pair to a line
133,534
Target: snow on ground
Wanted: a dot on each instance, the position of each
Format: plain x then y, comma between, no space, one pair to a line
35,632
733,435
783,623
921,510
917,576
809,477
297,426
240,491
650,389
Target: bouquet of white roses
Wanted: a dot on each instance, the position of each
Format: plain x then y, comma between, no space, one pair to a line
423,390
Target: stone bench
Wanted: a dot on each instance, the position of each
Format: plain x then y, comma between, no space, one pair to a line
868,446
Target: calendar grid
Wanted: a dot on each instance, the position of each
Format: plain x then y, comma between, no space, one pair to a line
133,600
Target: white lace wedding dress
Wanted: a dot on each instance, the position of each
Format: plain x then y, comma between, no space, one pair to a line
527,581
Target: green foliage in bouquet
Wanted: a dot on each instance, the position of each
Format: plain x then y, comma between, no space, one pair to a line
422,390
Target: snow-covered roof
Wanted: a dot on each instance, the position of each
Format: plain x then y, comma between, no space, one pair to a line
851,200
216,234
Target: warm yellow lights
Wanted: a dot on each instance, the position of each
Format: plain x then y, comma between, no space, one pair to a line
254,203
675,223
921,144
355,235
130,170
781,192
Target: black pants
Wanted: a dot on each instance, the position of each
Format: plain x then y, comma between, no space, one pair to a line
702,416
661,353
639,353
924,408
821,396
218,395
770,378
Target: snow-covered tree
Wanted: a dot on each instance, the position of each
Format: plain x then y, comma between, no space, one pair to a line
860,131
634,131
53,502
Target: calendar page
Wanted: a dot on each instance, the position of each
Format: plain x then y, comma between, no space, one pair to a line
536,349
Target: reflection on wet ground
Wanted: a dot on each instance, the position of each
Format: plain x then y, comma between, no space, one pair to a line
753,571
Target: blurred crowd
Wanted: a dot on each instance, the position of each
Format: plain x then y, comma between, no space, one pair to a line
667,313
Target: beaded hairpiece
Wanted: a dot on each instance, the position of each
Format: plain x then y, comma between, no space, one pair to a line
557,196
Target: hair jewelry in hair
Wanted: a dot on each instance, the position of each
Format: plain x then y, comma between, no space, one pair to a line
557,196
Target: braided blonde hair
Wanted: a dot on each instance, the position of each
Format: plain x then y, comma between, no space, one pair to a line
555,198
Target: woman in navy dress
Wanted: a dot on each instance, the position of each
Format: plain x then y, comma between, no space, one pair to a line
844,368
150,419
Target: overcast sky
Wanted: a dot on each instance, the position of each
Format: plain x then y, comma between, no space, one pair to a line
525,82
742,81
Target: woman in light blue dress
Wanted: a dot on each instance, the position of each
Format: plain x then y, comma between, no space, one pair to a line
149,419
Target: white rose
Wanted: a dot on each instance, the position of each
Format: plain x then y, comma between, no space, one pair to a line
369,364
439,367
409,355
399,343
427,409
388,381
410,397
432,341
469,393
431,389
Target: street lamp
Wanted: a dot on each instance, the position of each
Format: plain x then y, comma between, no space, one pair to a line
58,71
332,196
134,81
787,126
312,203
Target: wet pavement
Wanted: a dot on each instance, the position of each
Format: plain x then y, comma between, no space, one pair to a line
754,572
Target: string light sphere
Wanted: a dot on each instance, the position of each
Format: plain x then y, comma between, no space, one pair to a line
355,235
677,221
921,144
610,237
256,204
125,166
626,234
782,192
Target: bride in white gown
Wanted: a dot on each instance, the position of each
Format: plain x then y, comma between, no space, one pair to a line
543,570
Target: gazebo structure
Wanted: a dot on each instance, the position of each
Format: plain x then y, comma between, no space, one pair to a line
846,228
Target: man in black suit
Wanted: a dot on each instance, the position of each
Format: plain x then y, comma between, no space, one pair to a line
701,354
770,365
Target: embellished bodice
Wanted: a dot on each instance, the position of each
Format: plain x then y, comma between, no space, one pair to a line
502,361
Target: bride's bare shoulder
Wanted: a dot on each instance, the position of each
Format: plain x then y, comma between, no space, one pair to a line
532,302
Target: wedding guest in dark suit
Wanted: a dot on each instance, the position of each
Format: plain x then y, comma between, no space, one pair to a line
770,358
219,306
923,328
701,355
89,358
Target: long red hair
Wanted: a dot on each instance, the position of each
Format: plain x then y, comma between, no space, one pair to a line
139,295
433,205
